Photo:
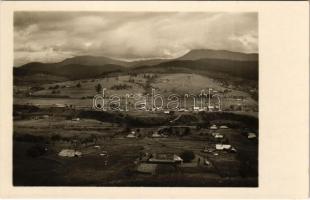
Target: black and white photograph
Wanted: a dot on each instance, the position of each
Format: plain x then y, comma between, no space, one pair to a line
152,99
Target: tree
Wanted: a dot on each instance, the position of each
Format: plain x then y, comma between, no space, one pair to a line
187,156
55,138
98,88
78,85
187,131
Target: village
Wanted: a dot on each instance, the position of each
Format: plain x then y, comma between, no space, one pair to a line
183,147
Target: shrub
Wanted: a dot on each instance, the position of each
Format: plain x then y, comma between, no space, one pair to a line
36,150
98,88
56,137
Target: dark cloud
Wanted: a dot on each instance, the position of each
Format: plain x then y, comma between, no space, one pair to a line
53,36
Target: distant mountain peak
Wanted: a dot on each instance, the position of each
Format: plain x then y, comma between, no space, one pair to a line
197,54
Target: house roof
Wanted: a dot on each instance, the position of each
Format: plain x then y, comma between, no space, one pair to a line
251,135
222,146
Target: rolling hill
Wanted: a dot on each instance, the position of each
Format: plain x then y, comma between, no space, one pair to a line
240,69
196,61
71,71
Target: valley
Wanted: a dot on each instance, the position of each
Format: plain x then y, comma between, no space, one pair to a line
59,134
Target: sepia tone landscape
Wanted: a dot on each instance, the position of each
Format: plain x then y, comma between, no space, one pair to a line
135,99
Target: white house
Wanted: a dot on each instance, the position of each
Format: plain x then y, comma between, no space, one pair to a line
251,135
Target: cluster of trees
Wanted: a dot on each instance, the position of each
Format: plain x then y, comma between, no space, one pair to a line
54,87
92,138
131,80
187,156
121,87
150,76
121,118
55,92
238,119
30,138
98,88
36,150
36,88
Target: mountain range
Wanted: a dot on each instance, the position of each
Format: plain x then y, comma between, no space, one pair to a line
79,67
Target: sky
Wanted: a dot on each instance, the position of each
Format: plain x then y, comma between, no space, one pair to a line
55,36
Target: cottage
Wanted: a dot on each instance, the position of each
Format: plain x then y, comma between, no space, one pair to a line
196,108
156,135
213,127
223,127
45,116
210,107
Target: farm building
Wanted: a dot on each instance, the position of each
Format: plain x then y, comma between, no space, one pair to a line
132,134
210,108
70,153
222,146
225,147
168,158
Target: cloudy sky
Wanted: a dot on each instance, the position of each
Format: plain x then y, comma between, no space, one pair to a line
54,36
